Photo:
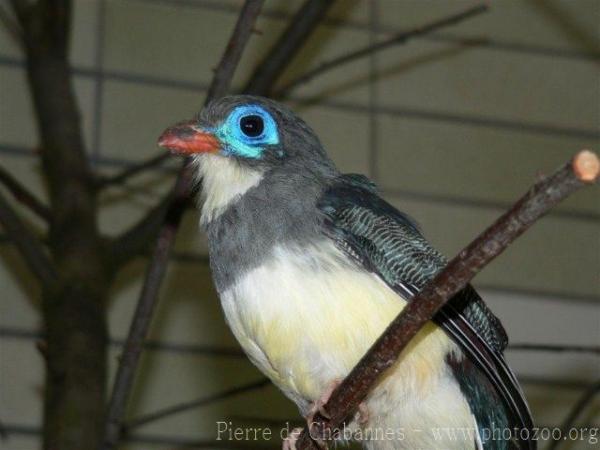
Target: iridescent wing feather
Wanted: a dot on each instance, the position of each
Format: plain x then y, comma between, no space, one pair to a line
388,243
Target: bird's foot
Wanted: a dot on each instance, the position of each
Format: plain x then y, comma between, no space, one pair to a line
289,443
319,405
362,415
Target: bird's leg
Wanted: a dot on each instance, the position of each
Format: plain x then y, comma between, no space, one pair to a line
362,415
319,405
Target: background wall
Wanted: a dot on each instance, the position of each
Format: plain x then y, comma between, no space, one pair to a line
452,126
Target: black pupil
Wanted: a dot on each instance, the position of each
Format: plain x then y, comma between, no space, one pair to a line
252,126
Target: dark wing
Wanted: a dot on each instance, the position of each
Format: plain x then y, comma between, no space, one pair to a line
387,242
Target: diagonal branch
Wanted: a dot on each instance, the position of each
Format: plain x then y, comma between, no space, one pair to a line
192,404
28,245
233,53
287,46
20,193
140,237
399,38
132,171
583,169
166,236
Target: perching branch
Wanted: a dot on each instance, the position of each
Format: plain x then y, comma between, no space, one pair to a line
586,398
28,245
20,193
399,38
186,406
166,236
301,27
581,170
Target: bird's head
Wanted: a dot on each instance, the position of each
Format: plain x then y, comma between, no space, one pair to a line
239,141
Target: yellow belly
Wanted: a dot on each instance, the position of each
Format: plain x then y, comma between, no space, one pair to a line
306,317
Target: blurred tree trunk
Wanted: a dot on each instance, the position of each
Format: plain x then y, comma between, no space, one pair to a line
74,305
74,263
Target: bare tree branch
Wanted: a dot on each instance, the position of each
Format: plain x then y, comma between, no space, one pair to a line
399,38
287,46
186,406
28,245
132,171
581,170
586,398
141,236
224,73
23,195
156,270
46,25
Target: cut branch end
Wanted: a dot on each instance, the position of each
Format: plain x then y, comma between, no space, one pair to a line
586,166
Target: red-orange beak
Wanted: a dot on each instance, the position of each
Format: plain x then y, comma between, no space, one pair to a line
186,138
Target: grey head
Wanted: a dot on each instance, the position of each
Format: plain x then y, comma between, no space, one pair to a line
262,170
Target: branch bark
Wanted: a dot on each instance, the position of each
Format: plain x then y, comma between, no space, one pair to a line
139,238
156,271
73,309
581,170
23,195
28,245
399,38
272,66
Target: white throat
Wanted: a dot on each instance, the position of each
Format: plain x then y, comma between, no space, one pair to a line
224,180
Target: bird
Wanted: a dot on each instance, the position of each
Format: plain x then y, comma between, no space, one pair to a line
311,265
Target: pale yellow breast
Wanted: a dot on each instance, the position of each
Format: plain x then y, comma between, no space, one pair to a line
306,317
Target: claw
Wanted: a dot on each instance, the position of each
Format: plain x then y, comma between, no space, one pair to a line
289,443
362,414
319,405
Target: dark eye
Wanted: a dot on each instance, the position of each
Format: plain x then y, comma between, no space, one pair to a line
252,126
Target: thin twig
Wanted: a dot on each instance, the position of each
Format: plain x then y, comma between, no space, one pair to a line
224,73
28,245
585,399
140,237
557,348
157,268
186,406
399,38
20,193
582,169
272,66
132,171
